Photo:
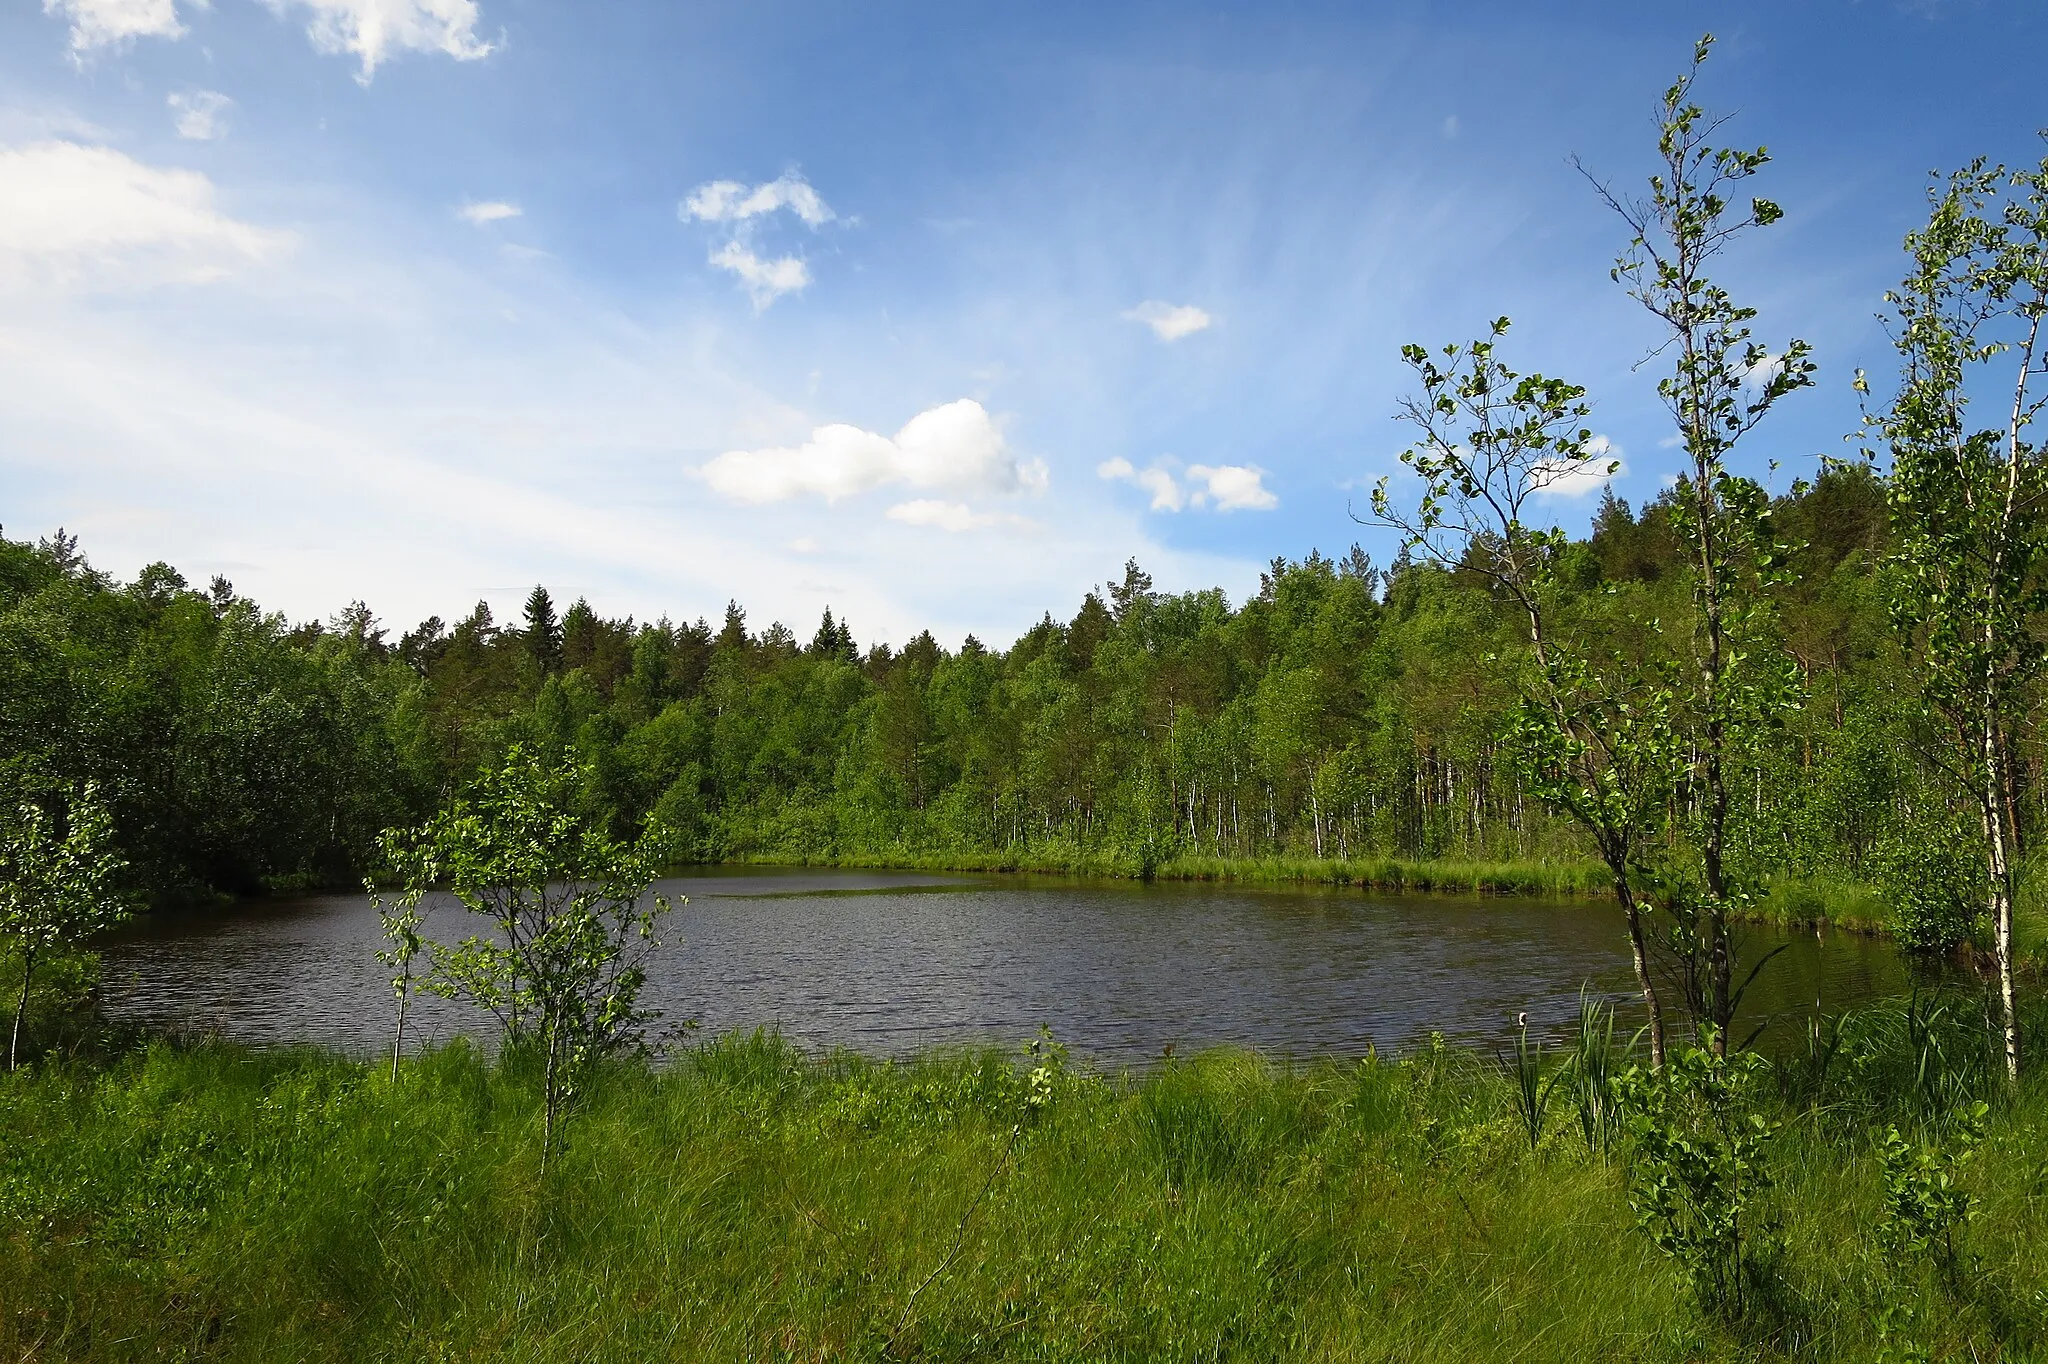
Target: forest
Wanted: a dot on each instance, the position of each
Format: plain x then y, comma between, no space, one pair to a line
1345,712
1762,693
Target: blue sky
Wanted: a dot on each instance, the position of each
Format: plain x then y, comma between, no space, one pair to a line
935,314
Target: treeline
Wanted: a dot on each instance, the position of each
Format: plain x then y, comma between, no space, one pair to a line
1342,712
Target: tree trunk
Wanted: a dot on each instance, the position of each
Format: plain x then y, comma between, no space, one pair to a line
398,1037
547,1100
1639,953
1998,850
28,970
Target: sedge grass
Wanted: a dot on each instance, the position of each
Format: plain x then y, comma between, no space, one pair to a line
1374,873
750,1202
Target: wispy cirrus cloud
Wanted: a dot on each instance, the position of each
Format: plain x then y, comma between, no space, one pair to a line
103,23
369,30
98,217
199,115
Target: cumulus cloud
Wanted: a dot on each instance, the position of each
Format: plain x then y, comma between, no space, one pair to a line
373,30
1572,478
729,201
1156,480
765,278
199,115
99,23
94,214
1232,487
1168,321
1224,487
956,447
488,211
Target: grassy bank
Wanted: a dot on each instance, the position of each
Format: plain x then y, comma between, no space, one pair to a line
1378,873
1787,902
746,1202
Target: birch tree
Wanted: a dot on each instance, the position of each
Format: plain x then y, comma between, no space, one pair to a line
1594,736
1967,499
1723,383
569,922
57,887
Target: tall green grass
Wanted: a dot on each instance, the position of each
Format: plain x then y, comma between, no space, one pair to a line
748,1201
1379,873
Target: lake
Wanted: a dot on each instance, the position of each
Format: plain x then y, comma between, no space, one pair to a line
887,963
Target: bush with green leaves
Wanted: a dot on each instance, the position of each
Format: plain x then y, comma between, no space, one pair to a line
1696,1167
1926,1203
570,920
57,886
1934,880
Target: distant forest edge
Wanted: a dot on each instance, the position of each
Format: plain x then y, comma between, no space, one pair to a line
1344,719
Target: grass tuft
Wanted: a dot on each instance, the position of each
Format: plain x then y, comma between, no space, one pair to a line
747,1201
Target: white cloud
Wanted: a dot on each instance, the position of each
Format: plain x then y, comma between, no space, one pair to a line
1451,128
1572,478
1232,487
372,30
765,280
354,392
729,201
199,115
1157,480
949,516
957,446
369,30
1759,375
93,214
98,23
489,211
1226,487
1169,322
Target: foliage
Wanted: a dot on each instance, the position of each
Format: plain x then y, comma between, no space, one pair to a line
1696,1166
401,920
570,921
1926,1204
1934,883
1365,710
1591,1072
58,878
1970,502
1722,385
1532,1088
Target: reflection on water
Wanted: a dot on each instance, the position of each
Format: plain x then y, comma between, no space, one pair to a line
886,963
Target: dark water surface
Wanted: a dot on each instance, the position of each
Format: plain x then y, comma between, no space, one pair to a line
889,962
